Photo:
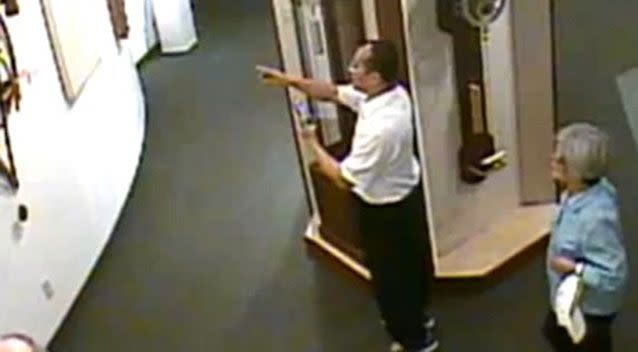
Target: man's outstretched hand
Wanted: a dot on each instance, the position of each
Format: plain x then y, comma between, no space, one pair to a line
273,76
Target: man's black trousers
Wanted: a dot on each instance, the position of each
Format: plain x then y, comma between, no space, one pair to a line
397,253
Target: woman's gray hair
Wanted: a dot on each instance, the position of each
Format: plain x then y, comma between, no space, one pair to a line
584,149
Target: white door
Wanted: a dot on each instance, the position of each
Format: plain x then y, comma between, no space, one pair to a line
316,60
175,25
290,52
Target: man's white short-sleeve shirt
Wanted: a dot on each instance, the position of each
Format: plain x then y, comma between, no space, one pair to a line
381,164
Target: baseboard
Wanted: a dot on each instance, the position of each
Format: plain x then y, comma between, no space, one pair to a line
183,49
153,52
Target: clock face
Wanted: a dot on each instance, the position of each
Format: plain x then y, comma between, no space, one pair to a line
481,13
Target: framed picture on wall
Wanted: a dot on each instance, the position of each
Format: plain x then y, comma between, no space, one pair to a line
72,29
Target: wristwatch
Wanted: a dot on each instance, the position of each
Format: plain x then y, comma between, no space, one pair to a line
579,269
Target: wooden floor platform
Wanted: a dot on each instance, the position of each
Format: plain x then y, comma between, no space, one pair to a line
475,258
481,255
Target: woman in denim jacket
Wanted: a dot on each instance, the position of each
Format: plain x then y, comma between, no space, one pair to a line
586,237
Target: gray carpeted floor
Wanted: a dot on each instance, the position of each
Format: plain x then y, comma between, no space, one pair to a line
208,254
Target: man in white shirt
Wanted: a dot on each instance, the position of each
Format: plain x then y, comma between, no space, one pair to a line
384,174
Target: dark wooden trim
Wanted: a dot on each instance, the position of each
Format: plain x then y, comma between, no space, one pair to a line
554,49
552,13
334,52
395,32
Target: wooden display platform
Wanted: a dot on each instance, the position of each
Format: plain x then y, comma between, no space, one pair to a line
478,256
313,237
484,253
475,229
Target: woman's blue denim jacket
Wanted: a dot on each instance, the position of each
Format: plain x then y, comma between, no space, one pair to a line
587,229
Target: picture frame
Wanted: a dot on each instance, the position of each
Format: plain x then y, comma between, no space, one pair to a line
71,29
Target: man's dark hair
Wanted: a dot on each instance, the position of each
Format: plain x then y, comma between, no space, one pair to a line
384,59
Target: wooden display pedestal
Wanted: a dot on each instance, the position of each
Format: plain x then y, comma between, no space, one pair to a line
478,257
482,254
474,229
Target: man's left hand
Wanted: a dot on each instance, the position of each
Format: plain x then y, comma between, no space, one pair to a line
563,265
309,134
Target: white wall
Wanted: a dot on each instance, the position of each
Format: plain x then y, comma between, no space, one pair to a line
142,34
75,165
532,45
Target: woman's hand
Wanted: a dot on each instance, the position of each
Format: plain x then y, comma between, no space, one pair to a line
563,265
